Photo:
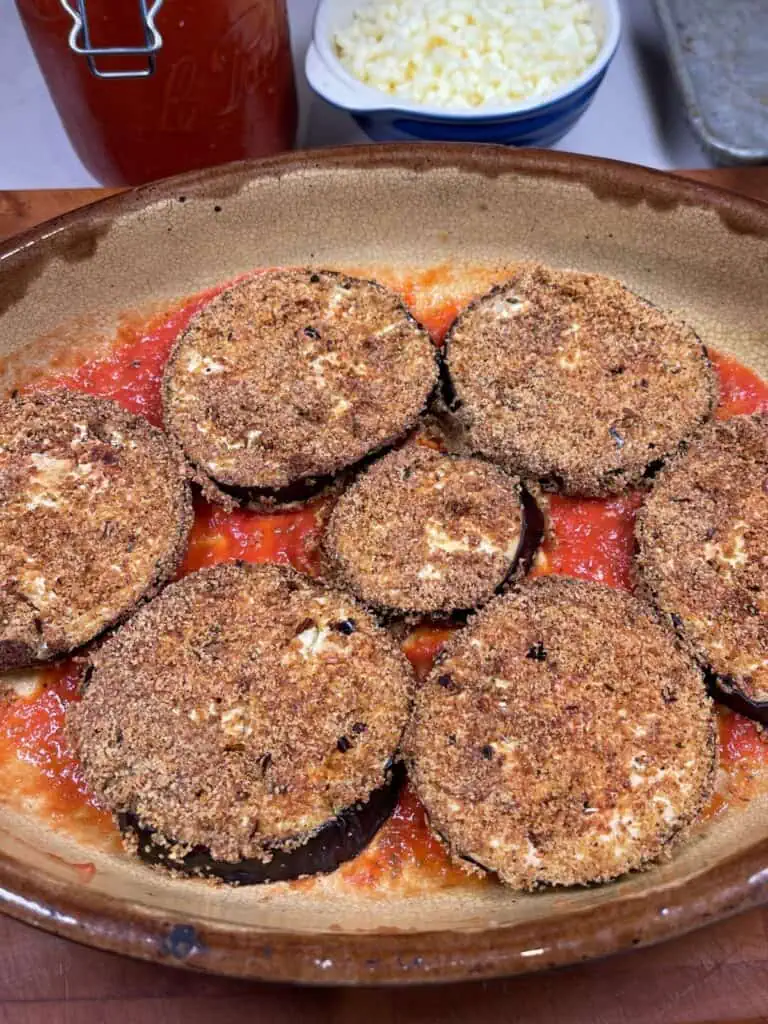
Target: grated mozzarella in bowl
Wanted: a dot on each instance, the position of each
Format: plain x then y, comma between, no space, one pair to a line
468,54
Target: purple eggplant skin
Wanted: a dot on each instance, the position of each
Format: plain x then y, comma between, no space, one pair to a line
533,530
337,841
300,492
724,691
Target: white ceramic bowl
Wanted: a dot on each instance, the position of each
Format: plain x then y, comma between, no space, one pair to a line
385,118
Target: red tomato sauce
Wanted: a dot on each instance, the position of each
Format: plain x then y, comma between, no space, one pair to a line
743,748
287,538
32,737
742,743
741,391
131,374
589,538
406,853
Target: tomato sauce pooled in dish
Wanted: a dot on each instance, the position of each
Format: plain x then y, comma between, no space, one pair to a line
589,538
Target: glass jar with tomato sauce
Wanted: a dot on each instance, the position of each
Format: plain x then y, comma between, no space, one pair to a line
208,81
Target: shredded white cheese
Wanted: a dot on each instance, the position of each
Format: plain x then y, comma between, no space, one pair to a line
466,54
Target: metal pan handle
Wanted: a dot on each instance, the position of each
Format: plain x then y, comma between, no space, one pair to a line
80,39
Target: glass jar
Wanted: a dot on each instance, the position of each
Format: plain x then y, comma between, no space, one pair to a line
219,88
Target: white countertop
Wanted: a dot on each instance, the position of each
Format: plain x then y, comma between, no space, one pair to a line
636,116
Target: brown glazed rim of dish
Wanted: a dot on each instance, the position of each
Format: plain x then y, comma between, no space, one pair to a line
388,955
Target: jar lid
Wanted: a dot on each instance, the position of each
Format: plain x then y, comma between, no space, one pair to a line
80,40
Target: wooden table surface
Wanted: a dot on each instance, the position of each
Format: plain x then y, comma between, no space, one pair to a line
716,975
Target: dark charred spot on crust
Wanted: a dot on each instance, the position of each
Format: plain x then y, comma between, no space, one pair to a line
312,332
553,482
653,469
457,507
359,727
487,752
616,371
448,683
347,627
343,744
537,652
314,279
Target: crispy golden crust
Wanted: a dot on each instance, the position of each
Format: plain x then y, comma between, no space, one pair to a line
295,374
243,708
572,379
95,511
564,737
703,537
425,532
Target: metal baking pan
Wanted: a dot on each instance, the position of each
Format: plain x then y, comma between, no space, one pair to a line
719,53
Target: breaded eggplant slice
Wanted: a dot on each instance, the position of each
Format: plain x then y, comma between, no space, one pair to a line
573,380
564,737
239,715
425,532
95,511
291,376
703,539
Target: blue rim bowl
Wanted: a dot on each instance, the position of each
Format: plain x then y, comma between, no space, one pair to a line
541,122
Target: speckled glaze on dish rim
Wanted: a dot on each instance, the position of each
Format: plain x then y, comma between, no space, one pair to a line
722,878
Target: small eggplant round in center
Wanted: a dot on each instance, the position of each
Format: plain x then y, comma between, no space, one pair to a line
245,724
428,533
